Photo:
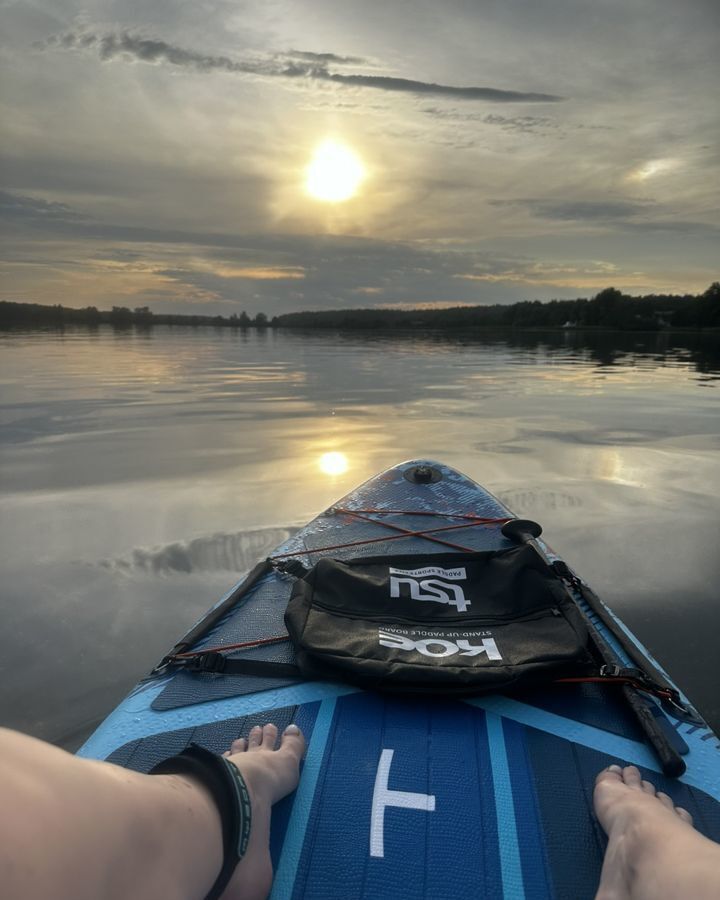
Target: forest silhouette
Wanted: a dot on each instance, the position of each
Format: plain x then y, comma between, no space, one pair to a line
610,309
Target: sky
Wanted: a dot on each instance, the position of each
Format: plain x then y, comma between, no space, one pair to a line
156,153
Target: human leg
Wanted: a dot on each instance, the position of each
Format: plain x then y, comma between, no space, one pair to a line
653,851
79,828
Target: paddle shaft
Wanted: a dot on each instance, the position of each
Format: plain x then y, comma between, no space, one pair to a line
670,760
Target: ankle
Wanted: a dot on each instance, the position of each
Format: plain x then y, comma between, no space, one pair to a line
192,831
665,860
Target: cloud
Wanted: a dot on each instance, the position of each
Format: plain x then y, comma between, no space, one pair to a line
652,168
520,123
676,226
302,64
327,58
110,46
639,216
407,85
258,273
594,274
581,209
602,210
429,304
16,207
524,124
77,261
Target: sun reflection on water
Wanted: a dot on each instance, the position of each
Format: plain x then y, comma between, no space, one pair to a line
333,463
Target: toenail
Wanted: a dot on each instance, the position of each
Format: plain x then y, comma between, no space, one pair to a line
292,729
614,769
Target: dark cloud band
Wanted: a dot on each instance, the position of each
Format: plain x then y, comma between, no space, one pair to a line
407,85
328,58
300,64
110,46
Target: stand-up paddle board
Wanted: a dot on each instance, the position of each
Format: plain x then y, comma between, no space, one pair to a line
403,794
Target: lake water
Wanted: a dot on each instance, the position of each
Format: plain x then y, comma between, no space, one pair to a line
144,471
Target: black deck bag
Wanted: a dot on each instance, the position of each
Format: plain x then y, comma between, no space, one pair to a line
450,623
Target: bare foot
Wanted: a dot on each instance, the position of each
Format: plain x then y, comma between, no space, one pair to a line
653,850
270,775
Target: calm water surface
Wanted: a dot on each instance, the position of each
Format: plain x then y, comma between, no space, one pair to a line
143,472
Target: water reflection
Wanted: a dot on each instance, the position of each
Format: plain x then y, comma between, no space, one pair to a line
333,463
216,553
698,351
142,471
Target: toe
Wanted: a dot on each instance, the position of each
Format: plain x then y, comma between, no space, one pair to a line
269,736
666,801
631,777
612,773
293,741
647,786
239,745
684,815
255,738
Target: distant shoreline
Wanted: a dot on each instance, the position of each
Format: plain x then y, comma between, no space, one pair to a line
610,310
399,332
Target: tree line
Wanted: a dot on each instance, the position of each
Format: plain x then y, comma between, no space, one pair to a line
609,309
30,314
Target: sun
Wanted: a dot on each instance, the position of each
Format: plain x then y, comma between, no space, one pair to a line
335,173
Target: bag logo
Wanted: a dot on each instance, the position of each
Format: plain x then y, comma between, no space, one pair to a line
439,647
430,583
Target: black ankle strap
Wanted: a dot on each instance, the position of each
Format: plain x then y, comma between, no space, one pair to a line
231,796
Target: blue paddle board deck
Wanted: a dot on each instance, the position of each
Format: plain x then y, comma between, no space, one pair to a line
411,797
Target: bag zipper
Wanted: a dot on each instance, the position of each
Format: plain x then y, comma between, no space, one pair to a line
454,622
